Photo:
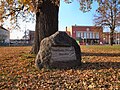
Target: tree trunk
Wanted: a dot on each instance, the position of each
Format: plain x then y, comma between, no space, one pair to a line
111,37
46,23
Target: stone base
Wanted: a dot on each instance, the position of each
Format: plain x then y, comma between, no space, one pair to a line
63,64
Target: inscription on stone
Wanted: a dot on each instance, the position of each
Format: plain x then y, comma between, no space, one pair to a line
63,53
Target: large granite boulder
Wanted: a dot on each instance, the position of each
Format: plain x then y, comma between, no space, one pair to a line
58,51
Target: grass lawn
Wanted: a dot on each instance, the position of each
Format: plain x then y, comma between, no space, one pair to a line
100,70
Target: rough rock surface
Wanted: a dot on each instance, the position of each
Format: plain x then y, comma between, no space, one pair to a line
59,39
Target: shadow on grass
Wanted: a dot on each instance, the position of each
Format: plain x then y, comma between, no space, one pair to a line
101,54
99,65
94,66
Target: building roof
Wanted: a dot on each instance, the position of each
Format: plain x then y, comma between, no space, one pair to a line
3,28
87,26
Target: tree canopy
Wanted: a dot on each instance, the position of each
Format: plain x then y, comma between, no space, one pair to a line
14,9
108,14
22,8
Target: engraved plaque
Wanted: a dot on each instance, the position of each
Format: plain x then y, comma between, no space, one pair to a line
63,54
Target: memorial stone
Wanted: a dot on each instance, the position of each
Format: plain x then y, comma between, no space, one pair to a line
58,51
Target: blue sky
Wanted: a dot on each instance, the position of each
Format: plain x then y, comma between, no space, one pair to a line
69,14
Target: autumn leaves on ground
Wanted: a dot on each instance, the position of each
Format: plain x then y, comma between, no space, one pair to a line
100,70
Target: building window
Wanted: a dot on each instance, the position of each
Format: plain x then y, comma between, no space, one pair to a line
87,29
97,35
78,34
91,35
85,35
82,34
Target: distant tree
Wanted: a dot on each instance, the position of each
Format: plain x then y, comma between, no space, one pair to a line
108,14
46,12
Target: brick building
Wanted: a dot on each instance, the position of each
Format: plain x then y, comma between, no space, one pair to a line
86,34
106,38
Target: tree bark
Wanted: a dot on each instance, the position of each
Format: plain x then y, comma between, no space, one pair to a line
46,23
111,37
